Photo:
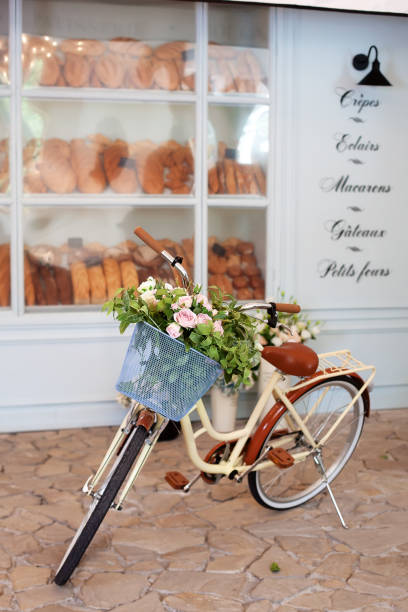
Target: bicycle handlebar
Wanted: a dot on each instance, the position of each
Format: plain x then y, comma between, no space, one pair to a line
280,307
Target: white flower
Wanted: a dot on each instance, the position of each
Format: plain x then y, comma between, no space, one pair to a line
305,334
148,285
149,297
300,325
276,341
315,330
259,346
168,286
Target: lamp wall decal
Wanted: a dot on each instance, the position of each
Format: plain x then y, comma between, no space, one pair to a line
374,77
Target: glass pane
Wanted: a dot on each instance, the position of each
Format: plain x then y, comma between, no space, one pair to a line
4,257
238,148
134,45
236,251
238,49
82,256
4,51
96,147
4,146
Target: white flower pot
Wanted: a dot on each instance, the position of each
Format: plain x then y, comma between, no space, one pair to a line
266,370
223,409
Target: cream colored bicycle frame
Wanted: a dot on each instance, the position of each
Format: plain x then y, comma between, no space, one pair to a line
330,365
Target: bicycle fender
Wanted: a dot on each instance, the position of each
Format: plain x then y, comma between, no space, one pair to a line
277,410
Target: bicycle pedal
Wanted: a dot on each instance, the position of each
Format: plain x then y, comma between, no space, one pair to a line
176,480
280,457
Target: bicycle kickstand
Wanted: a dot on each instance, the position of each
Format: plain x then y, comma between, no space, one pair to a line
320,467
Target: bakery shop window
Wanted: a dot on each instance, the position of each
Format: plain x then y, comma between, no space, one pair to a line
82,257
238,145
131,45
4,47
98,147
4,257
238,49
236,252
4,146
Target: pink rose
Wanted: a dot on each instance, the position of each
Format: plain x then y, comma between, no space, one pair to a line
174,330
186,318
218,327
185,301
203,318
202,299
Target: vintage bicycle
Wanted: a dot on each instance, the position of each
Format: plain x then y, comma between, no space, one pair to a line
289,456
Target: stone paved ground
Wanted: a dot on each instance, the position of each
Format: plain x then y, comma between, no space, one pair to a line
209,550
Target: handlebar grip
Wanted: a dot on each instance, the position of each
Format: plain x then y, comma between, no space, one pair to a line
148,239
292,308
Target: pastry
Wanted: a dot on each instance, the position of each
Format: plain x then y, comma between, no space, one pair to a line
121,44
112,274
150,173
97,284
181,190
213,182
244,294
4,275
255,70
245,248
234,271
259,294
249,178
55,168
29,291
77,70
229,172
172,50
144,256
252,271
129,274
239,176
4,169
165,74
81,46
88,168
244,79
216,51
120,169
139,49
44,254
231,243
50,286
140,73
221,177
50,70
110,70
95,249
64,285
38,288
260,178
228,83
257,282
61,82
102,141
188,246
80,282
240,282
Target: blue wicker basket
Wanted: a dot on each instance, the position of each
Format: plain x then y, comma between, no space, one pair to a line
159,373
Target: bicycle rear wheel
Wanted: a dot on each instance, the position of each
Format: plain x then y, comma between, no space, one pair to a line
281,489
100,506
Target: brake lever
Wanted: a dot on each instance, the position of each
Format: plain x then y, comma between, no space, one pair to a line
272,315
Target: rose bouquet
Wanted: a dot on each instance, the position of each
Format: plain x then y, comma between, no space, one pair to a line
301,326
215,328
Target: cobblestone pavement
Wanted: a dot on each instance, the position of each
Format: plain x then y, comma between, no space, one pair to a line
210,550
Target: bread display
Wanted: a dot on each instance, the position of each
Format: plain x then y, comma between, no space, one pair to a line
232,266
95,163
121,62
4,61
234,69
228,176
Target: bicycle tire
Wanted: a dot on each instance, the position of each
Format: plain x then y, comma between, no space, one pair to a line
99,507
292,494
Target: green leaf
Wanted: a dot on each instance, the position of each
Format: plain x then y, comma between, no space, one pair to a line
207,342
195,338
204,328
213,353
274,567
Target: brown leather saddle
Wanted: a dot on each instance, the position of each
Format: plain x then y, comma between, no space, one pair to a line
292,358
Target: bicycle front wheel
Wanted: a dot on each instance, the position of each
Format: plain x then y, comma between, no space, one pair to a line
282,489
100,506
